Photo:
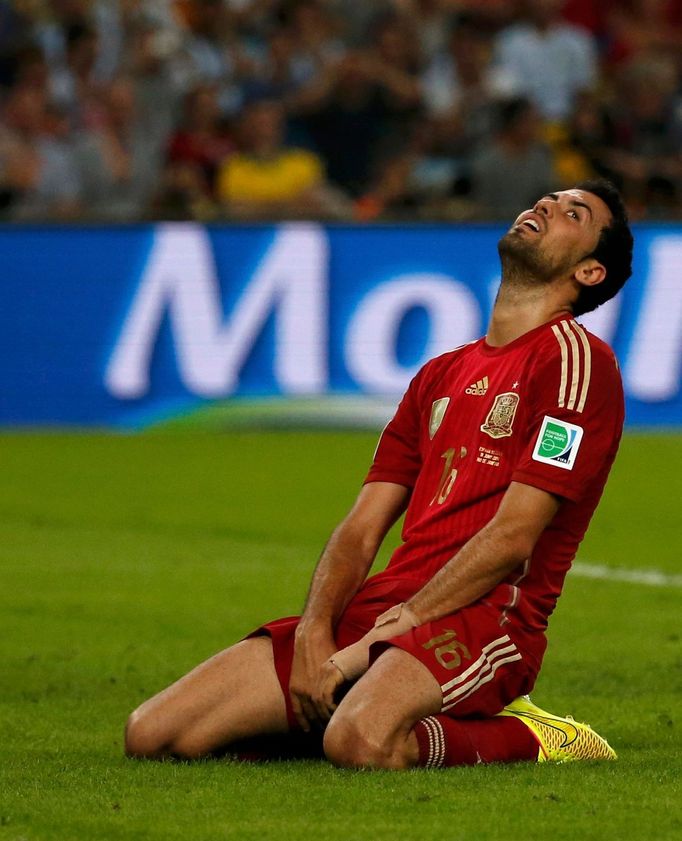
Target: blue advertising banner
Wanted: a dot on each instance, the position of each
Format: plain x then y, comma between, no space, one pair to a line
124,326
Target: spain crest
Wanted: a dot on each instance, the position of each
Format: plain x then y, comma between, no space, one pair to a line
500,418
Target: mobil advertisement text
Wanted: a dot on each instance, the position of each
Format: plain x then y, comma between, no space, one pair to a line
122,327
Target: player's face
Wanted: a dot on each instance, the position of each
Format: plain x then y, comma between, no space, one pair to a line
561,230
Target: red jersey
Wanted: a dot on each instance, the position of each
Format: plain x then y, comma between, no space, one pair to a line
545,410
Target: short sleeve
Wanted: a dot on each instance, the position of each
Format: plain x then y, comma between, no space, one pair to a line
576,415
397,457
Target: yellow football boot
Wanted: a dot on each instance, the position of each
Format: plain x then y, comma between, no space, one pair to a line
560,739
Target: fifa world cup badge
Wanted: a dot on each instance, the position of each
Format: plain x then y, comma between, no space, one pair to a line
500,418
438,411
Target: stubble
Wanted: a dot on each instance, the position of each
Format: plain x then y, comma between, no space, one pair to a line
525,264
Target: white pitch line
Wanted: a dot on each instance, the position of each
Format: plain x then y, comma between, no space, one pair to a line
649,577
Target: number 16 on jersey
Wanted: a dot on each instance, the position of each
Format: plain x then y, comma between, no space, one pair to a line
449,474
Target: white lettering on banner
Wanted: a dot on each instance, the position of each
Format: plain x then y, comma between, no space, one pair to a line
180,277
370,350
652,370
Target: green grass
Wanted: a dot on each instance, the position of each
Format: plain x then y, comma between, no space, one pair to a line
126,560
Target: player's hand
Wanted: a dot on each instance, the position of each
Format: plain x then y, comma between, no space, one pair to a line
312,649
395,621
331,678
353,661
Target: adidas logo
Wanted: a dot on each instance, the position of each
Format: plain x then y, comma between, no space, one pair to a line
478,388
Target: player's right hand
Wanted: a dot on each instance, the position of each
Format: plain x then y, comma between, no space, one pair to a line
313,647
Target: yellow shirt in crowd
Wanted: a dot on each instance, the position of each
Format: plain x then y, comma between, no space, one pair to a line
283,177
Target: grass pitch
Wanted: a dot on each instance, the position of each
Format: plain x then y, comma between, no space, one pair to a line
126,560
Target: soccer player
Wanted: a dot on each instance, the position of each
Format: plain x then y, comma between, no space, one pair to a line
498,453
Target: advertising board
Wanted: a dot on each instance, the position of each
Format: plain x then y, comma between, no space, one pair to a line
126,326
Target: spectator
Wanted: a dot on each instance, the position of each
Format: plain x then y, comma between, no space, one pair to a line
579,147
202,142
395,96
51,22
513,169
430,21
644,26
266,180
545,59
277,69
153,60
72,83
30,70
195,152
646,159
253,18
314,36
300,50
588,14
394,54
216,56
356,17
347,117
38,178
460,79
363,108
423,180
118,161
15,37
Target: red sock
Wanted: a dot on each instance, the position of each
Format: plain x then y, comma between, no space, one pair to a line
445,741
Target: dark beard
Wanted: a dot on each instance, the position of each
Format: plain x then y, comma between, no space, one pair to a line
524,263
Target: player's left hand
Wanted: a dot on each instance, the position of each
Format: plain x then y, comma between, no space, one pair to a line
353,660
394,621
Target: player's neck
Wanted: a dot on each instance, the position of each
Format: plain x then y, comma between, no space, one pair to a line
519,311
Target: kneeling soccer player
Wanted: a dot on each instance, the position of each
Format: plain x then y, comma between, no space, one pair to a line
498,453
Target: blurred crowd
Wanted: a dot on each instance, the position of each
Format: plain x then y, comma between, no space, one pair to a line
116,110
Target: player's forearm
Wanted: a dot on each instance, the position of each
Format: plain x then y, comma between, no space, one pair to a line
348,556
479,566
342,568
340,571
498,548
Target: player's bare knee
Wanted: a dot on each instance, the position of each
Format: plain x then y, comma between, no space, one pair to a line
142,738
145,738
343,744
138,741
348,744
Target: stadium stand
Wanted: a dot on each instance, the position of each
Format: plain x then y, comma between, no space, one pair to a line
117,110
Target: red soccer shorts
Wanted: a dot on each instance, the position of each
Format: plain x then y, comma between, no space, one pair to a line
473,654
477,662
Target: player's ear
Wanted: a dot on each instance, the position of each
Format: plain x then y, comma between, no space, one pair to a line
589,272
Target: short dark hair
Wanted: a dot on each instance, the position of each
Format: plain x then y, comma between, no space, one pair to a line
613,251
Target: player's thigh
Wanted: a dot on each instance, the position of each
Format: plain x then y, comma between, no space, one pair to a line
233,695
474,659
